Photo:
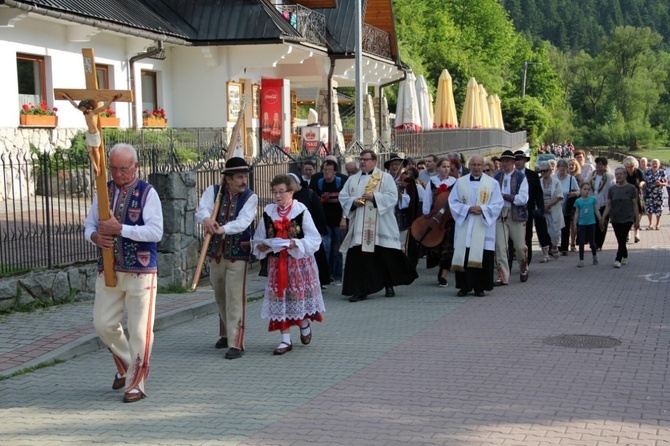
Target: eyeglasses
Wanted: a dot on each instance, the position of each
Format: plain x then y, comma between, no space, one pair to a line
365,159
544,170
279,192
487,170
123,170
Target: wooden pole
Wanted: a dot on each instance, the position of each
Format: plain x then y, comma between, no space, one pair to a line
217,201
91,93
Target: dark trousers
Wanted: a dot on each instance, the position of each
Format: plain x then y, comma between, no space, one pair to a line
600,234
540,230
621,234
565,232
586,234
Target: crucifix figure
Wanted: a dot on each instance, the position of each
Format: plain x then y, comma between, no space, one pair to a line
89,105
91,111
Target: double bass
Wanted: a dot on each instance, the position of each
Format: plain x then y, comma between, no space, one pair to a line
429,229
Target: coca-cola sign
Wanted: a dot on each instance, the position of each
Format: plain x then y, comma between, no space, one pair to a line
271,96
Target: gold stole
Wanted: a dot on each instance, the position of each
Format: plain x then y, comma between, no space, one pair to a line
370,214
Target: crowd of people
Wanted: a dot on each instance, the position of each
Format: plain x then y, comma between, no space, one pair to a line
364,231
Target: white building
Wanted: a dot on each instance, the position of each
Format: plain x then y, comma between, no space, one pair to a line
200,47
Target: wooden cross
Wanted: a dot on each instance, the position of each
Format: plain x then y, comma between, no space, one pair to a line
91,93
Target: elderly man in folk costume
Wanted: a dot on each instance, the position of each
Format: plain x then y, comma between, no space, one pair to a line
512,221
229,250
375,259
133,231
475,204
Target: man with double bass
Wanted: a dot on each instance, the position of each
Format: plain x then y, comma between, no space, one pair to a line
407,208
436,228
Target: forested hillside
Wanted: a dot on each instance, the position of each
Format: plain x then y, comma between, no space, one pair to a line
597,70
582,24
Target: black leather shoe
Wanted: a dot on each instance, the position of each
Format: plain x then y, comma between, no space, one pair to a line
234,353
524,276
461,293
221,343
357,298
480,294
389,291
499,283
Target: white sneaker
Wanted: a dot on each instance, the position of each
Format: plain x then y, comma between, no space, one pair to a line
580,264
624,261
617,264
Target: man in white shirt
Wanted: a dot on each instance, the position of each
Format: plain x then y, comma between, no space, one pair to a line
133,231
511,224
229,250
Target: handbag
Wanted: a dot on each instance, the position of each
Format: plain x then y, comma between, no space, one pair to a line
569,209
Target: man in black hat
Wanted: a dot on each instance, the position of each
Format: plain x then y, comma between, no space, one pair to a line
229,250
511,224
535,206
407,208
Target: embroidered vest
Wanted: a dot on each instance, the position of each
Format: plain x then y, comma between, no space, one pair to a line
519,213
129,255
235,246
295,231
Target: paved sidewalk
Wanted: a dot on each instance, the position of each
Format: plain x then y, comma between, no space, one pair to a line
425,367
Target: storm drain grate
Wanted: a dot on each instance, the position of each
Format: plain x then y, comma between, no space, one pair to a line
582,341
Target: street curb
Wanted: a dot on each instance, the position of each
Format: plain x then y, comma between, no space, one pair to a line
92,343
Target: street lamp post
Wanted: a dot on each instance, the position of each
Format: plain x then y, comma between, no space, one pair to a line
524,70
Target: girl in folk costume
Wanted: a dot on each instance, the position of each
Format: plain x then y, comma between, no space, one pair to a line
288,237
441,254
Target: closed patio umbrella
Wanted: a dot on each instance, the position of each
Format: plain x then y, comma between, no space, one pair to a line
493,111
499,117
484,108
471,117
445,106
425,103
407,110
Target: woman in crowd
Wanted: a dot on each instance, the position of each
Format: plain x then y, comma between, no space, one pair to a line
489,167
552,192
441,254
623,210
635,176
311,200
656,182
288,237
570,188
574,169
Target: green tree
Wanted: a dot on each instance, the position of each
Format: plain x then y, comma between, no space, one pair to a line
527,114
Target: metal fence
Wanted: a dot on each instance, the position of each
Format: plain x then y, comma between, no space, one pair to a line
45,196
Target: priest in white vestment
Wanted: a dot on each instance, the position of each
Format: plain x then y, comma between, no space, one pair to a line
375,259
475,203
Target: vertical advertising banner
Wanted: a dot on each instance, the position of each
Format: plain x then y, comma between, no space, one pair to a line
271,111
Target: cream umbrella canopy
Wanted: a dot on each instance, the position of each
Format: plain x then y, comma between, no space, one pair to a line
484,108
499,116
471,117
445,106
493,111
407,109
425,103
